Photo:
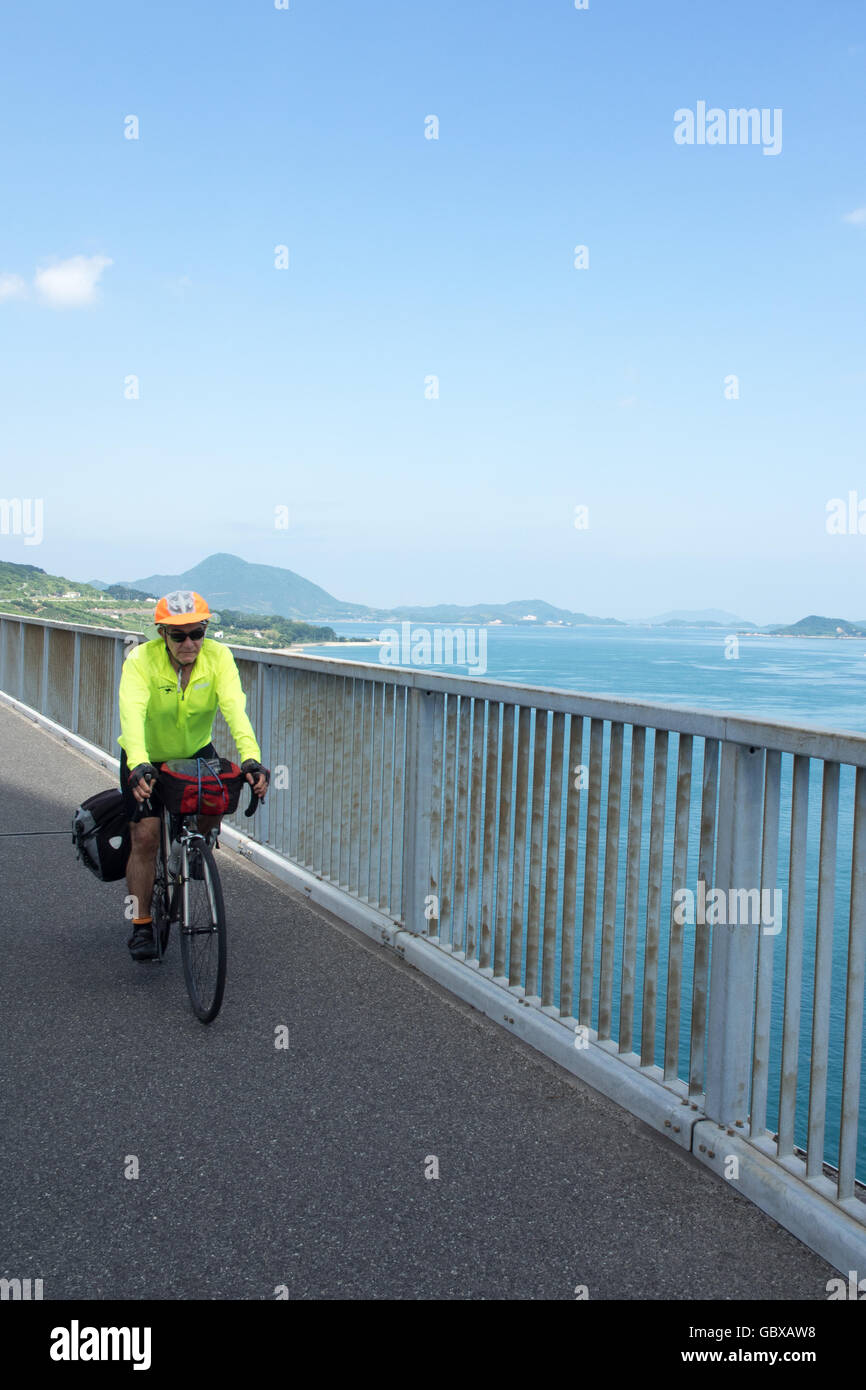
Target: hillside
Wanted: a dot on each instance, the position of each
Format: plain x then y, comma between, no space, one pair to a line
28,590
227,581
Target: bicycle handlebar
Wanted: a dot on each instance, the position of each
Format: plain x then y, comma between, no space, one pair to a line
252,805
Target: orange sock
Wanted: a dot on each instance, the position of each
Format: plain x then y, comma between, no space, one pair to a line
141,921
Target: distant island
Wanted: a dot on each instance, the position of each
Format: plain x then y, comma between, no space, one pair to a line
266,606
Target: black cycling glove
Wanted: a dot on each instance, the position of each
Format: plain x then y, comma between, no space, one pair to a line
142,770
256,769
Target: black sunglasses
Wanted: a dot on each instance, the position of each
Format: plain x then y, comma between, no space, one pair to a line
197,633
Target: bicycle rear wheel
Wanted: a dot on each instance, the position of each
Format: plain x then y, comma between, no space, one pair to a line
203,945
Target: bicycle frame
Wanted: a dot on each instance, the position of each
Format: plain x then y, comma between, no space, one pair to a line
175,829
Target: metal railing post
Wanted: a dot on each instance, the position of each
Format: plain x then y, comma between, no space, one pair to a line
419,806
734,946
76,681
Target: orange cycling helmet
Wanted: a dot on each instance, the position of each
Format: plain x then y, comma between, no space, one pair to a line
182,606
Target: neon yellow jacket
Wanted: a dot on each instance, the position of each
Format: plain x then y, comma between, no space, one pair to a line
158,720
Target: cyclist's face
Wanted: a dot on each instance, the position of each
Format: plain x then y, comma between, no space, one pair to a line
186,651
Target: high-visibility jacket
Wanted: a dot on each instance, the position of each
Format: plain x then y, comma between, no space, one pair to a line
159,720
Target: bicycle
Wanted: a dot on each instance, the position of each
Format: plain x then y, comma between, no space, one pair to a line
187,890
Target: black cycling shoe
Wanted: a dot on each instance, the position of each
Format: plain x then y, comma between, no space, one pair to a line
142,944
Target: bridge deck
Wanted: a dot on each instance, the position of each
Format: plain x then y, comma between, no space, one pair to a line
261,1167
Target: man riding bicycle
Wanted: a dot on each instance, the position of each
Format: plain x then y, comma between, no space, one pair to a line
169,692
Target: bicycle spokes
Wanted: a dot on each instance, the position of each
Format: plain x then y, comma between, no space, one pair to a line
202,933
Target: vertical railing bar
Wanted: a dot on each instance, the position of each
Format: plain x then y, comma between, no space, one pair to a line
706,862
376,792
515,946
366,885
346,779
337,764
632,888
317,781
766,942
503,845
590,871
462,822
794,956
536,854
397,885
491,822
76,682
649,1008
573,755
43,695
387,799
678,880
554,863
479,708
611,871
436,821
295,764
854,998
818,1071
328,790
446,896
358,742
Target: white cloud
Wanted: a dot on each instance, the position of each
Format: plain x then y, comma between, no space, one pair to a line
12,287
857,217
70,283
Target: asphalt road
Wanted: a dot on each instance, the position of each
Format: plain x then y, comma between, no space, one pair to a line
260,1167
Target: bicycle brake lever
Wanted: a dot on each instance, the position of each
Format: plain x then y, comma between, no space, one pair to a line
252,804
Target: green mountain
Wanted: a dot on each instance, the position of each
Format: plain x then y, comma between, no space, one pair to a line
527,610
229,582
699,617
814,626
29,591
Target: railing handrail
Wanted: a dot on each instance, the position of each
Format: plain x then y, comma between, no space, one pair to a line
808,740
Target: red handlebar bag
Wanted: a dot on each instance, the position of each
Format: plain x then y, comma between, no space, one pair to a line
194,785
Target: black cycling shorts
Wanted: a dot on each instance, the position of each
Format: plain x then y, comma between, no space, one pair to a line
129,801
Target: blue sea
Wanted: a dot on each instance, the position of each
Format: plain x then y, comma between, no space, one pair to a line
802,680
806,680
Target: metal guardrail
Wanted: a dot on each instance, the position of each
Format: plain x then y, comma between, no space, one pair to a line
544,840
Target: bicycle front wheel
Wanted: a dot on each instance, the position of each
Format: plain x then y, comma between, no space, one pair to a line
161,904
203,932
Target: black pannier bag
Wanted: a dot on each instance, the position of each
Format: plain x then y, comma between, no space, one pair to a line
101,835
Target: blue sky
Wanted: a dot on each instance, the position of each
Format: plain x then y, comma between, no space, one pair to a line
452,257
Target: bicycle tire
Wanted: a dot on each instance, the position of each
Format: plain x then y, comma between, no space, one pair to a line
203,937
161,904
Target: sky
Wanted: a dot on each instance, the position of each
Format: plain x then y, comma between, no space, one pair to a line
412,399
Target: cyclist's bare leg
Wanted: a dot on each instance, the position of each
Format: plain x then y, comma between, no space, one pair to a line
141,865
